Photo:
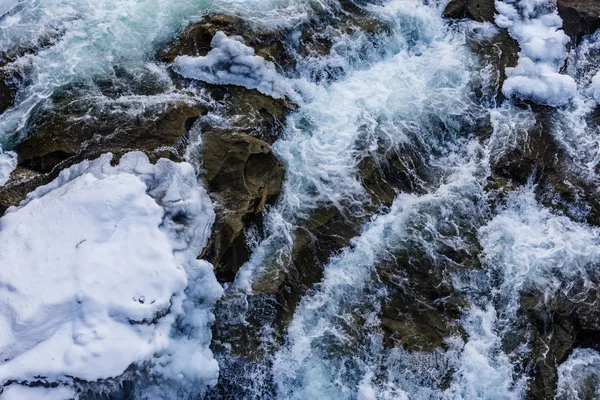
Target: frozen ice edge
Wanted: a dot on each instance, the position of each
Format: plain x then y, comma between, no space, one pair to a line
99,272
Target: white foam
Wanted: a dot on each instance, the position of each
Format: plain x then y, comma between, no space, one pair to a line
543,51
579,375
7,5
306,367
8,162
483,370
95,270
532,247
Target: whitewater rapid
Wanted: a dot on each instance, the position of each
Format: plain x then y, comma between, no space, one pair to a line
411,90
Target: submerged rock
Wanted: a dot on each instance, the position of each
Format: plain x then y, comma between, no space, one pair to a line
568,320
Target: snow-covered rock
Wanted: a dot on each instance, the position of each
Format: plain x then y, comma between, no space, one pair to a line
231,62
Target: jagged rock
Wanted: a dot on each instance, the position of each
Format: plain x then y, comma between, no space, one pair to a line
557,325
387,171
242,175
62,134
580,17
72,129
422,309
499,52
252,112
477,10
7,94
536,152
311,37
241,172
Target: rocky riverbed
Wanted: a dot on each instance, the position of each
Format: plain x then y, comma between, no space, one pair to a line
309,200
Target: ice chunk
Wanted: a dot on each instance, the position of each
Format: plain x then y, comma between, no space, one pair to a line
538,82
231,62
536,26
95,266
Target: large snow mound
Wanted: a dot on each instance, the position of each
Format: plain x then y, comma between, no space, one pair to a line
94,272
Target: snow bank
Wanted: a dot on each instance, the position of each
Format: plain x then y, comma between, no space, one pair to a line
536,26
8,162
231,62
95,270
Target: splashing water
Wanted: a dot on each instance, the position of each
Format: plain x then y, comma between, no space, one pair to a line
445,249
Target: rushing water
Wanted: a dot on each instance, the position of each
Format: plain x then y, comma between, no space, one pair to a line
446,248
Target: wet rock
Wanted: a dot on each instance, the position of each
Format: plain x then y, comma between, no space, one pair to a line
580,17
389,170
497,53
477,10
250,111
558,324
73,128
62,133
243,175
535,154
313,37
7,93
422,309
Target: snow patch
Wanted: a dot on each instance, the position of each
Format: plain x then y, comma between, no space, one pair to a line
231,62
536,26
96,270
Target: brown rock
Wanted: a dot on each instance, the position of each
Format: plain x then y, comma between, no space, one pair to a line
580,17
62,134
242,175
7,94
500,52
71,130
477,10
